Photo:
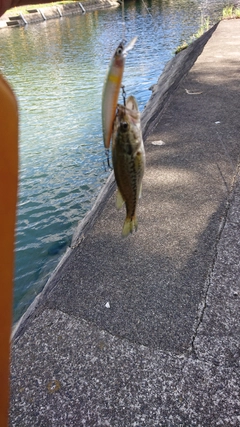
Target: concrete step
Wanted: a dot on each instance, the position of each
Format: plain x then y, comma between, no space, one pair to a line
13,24
14,18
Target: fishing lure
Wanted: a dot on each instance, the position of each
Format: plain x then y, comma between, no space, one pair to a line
111,90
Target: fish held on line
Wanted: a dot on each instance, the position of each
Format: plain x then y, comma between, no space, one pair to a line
128,157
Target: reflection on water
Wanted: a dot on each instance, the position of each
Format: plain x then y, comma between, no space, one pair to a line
57,69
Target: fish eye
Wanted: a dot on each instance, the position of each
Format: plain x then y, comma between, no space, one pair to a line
119,50
124,126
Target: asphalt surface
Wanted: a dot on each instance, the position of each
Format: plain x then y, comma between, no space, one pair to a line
144,331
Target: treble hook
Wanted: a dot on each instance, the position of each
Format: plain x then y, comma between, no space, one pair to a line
124,95
108,160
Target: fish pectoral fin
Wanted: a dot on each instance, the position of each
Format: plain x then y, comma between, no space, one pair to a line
129,226
119,200
139,166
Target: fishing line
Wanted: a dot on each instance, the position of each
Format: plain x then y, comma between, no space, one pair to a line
124,40
107,154
123,22
147,9
124,95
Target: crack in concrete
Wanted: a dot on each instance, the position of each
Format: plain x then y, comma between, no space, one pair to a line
203,304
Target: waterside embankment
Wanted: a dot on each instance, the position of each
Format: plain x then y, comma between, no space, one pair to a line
35,14
144,331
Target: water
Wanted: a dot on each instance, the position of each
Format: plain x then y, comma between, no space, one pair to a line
57,70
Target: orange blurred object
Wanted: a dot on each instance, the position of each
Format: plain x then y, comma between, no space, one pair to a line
8,201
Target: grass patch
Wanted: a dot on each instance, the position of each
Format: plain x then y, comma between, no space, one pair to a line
181,47
230,12
203,28
205,24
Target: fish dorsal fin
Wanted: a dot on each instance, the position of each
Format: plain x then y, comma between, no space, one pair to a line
132,107
119,200
131,104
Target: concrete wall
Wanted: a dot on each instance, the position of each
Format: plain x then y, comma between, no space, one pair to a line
36,14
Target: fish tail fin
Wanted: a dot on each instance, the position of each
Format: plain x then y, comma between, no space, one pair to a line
130,224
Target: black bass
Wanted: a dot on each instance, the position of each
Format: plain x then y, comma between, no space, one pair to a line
111,89
128,157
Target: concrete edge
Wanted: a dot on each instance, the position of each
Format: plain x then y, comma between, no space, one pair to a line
170,79
82,229
54,12
168,82
88,221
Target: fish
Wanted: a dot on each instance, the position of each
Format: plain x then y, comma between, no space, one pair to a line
128,158
111,89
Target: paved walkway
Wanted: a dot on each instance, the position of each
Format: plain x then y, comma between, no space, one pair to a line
144,331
